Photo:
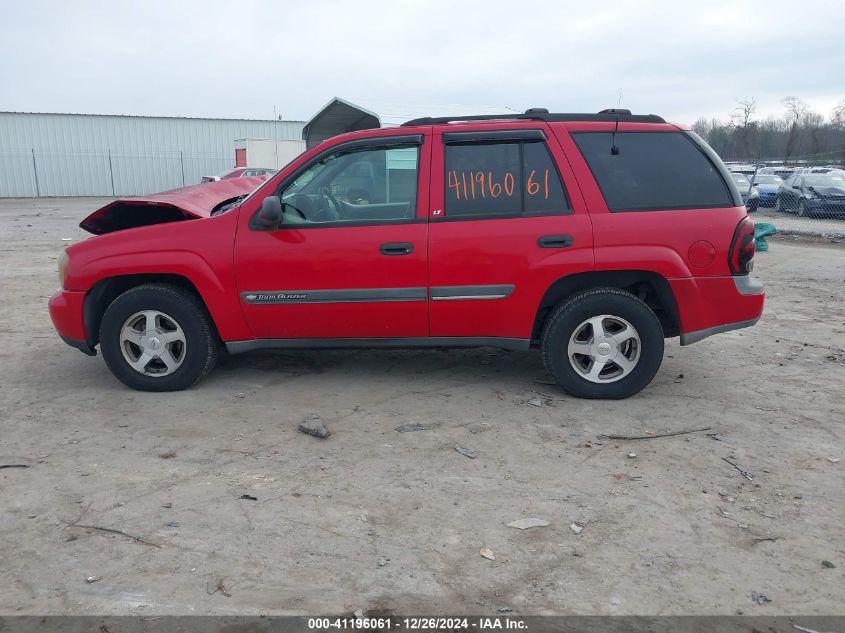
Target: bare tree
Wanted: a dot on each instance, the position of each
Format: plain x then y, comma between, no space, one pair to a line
795,111
809,135
743,112
702,127
837,117
742,121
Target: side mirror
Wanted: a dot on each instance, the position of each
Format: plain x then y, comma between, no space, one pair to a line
269,216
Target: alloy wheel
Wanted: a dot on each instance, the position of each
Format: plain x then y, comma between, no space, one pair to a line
152,343
604,348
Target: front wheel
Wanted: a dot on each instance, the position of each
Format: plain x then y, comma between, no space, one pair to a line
158,337
802,209
603,343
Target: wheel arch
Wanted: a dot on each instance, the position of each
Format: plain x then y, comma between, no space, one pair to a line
648,285
106,290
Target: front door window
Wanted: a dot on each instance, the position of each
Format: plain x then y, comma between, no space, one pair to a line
354,186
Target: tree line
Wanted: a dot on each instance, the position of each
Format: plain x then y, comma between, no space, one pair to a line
798,135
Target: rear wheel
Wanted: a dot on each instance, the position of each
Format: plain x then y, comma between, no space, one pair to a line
158,337
603,343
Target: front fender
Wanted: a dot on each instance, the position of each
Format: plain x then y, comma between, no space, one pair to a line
199,251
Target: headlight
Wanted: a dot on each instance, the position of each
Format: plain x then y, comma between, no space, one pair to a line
63,260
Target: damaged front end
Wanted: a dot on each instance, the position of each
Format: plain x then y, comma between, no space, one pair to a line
176,205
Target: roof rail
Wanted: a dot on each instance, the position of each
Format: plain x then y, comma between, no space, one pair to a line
541,114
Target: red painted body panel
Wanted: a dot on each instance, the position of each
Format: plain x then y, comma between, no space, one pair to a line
222,257
501,251
705,302
658,241
199,250
332,259
335,258
66,313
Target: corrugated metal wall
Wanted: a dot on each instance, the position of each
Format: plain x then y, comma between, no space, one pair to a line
100,155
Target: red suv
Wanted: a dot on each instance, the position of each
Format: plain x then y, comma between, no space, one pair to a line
590,236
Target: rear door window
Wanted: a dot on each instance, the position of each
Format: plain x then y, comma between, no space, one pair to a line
502,179
653,171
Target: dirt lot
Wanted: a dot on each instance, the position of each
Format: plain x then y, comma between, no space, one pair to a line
371,517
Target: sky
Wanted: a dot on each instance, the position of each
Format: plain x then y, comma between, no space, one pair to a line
249,59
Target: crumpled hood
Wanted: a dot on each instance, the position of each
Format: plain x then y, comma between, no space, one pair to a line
186,203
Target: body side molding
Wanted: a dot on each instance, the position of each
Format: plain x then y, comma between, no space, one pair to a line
353,295
453,293
375,295
516,344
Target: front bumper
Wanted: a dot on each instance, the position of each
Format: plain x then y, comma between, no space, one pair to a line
67,312
711,305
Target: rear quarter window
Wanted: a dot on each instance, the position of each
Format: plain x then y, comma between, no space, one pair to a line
654,171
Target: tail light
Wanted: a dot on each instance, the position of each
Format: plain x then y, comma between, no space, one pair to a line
741,257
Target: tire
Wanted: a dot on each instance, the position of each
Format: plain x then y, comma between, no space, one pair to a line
802,209
567,326
778,204
178,358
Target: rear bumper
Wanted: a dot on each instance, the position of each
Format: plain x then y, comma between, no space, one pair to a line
689,338
712,305
68,315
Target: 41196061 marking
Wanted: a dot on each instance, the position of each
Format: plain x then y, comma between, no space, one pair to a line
473,185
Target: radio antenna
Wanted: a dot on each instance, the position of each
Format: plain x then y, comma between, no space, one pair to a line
614,150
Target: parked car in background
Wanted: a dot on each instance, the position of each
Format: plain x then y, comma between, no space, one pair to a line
809,194
241,172
750,195
767,185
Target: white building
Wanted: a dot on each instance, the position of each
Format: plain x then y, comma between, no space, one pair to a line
104,155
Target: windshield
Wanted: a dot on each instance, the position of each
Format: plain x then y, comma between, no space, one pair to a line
767,180
825,180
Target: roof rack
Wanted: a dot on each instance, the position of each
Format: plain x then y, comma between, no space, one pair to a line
542,114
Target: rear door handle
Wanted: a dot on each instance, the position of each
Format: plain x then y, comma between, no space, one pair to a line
396,248
554,241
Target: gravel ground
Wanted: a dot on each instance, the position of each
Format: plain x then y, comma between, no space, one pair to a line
372,518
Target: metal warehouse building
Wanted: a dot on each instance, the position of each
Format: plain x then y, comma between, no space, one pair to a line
105,155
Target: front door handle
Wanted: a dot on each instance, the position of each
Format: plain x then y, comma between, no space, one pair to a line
396,248
554,241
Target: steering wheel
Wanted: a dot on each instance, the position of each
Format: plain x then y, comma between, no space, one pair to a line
332,210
